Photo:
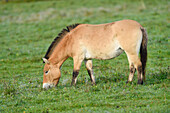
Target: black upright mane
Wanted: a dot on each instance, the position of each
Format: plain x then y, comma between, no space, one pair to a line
58,38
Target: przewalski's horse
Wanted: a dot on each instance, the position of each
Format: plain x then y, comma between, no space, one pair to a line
84,42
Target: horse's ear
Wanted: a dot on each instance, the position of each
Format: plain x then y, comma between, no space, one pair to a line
45,61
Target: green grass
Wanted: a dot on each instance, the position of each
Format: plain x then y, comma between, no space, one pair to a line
26,31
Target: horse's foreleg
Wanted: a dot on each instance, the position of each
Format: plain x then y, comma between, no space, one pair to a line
89,65
74,79
77,65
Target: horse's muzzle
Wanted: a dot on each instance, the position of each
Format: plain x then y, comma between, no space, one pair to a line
47,85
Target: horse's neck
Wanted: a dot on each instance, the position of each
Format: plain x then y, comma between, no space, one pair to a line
59,54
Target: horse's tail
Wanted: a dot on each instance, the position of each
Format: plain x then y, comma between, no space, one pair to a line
143,50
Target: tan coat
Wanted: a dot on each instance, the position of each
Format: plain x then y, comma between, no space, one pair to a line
104,41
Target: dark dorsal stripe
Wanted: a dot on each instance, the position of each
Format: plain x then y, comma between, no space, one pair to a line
58,38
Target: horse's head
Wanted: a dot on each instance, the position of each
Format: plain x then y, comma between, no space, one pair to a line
51,74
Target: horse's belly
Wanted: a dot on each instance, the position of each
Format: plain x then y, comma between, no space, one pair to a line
103,54
105,48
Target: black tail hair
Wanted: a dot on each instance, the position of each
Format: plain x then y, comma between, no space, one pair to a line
143,50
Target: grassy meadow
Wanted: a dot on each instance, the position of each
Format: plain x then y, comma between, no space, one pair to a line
28,28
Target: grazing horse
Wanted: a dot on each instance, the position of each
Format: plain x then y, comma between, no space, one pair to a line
84,42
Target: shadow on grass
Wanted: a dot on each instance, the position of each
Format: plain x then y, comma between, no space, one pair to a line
105,79
152,78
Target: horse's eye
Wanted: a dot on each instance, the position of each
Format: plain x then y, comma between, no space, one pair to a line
46,72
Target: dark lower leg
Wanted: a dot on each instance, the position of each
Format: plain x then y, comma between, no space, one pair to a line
90,72
140,75
132,72
74,79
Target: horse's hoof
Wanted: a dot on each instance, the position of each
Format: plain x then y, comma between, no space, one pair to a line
140,82
73,84
93,84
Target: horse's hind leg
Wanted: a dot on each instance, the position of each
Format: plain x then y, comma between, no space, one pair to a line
89,65
135,64
77,65
132,72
